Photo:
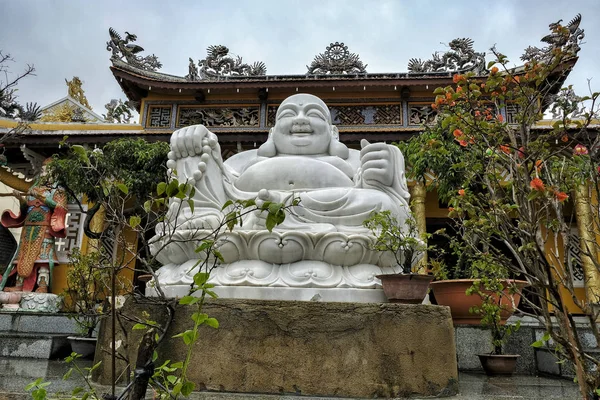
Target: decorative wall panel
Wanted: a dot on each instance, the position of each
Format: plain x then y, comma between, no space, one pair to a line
375,114
212,116
575,257
74,238
159,117
420,114
511,113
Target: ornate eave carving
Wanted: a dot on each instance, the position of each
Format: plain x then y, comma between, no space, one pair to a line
567,38
219,63
124,50
336,60
460,58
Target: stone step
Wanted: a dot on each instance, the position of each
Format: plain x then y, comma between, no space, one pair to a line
548,363
34,345
37,323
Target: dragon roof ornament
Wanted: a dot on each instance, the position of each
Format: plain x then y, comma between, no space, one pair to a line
336,60
460,58
125,50
219,63
567,38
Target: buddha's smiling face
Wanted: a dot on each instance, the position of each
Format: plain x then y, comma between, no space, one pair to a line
303,126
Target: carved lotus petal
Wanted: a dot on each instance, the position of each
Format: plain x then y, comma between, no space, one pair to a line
233,248
362,276
341,249
311,274
245,273
280,248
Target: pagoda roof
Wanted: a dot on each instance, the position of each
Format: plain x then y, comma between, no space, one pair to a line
70,100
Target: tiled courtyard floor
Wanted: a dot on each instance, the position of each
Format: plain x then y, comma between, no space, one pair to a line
16,373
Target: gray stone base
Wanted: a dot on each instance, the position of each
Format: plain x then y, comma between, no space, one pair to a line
35,335
33,345
310,348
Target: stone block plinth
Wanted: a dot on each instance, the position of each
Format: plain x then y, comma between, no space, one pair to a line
312,348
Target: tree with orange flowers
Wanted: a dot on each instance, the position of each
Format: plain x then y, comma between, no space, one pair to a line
511,182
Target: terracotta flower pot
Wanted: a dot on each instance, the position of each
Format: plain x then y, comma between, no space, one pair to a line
405,288
494,364
452,293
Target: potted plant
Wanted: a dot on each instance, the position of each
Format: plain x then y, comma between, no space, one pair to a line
86,290
490,290
453,286
402,242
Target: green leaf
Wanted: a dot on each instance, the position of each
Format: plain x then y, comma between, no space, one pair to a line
67,374
219,255
187,388
200,278
134,221
211,294
81,152
177,365
161,187
189,336
191,204
33,384
227,204
85,396
212,322
199,318
177,389
77,390
205,245
147,205
139,327
537,343
123,188
155,355
188,300
172,188
270,222
172,379
274,208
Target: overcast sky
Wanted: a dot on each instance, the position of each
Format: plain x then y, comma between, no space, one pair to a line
67,38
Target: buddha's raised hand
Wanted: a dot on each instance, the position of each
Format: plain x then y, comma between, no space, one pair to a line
192,141
376,163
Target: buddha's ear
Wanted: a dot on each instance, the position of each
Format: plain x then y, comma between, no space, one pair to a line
337,148
268,148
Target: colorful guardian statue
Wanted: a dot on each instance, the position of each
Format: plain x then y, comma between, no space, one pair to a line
43,217
322,247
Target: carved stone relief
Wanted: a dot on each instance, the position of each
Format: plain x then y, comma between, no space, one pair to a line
231,117
420,114
376,114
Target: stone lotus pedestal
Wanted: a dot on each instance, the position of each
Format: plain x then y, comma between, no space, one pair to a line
309,348
10,300
40,302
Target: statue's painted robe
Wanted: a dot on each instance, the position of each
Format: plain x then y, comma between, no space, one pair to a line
43,219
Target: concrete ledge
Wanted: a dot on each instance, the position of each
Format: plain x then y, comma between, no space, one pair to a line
36,322
33,345
310,348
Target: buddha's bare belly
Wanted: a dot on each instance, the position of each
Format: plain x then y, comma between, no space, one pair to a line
292,173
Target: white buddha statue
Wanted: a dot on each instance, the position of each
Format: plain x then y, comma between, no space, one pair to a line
303,158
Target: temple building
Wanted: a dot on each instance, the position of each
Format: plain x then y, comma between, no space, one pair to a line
237,100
